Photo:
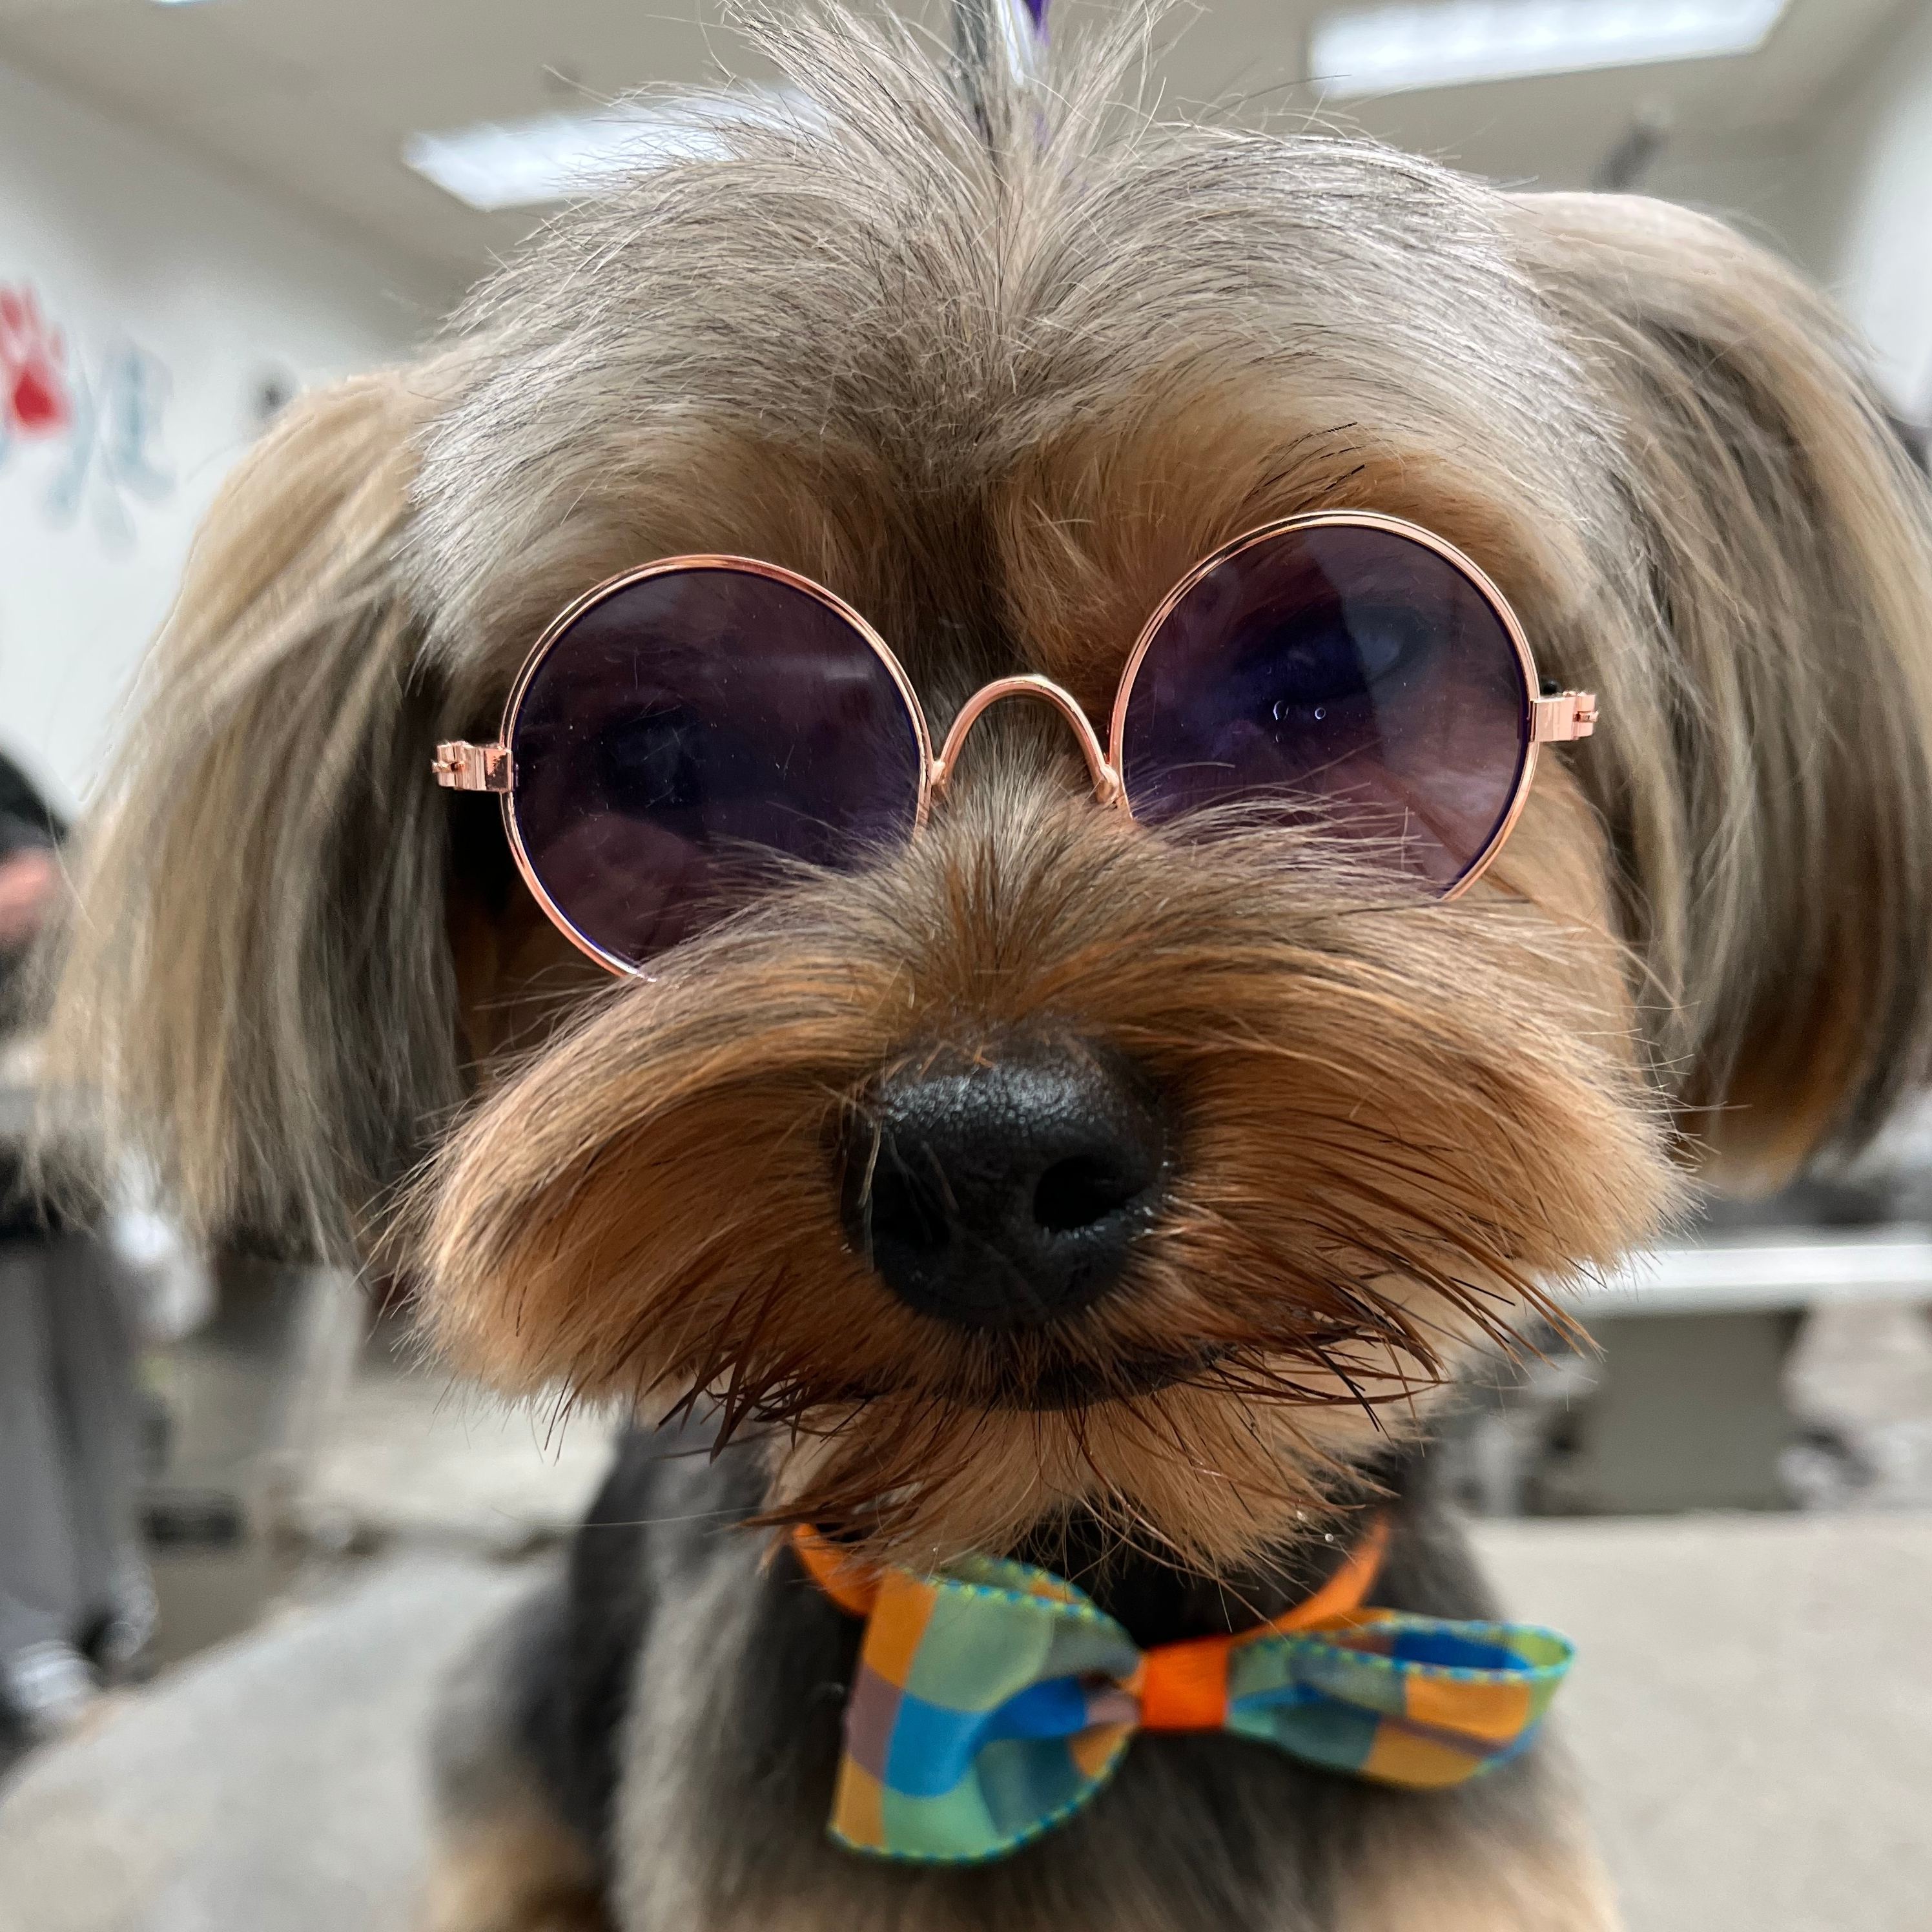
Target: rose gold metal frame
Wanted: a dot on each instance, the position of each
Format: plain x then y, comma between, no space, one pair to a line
1105,773
464,766
1565,715
467,767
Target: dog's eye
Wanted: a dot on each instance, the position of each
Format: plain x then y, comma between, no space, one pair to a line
1300,667
1387,642
654,763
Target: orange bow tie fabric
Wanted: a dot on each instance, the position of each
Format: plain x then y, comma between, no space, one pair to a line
994,1701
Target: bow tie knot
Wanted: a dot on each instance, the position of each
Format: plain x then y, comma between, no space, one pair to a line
995,1700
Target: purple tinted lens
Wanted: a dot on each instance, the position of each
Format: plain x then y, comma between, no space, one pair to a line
1344,677
686,727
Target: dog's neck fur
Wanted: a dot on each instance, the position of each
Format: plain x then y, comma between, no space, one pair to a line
1158,1601
684,1667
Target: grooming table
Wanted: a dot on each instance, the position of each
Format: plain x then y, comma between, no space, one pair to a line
275,1783
1751,1713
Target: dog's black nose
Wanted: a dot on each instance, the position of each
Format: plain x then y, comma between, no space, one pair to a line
1005,1193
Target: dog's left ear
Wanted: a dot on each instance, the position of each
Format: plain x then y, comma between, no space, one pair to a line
256,993
1765,764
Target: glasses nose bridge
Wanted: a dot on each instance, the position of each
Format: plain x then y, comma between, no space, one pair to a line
1107,786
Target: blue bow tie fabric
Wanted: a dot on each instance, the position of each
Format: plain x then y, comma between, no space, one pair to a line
994,1701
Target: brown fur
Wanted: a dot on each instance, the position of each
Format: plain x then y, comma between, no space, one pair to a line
646,1211
516,1870
1478,1887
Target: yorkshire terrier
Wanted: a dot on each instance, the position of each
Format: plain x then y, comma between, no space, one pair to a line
928,807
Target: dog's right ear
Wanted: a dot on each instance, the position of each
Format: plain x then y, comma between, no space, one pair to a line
1764,767
257,987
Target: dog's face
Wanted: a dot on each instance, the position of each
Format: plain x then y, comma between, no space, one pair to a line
1051,1161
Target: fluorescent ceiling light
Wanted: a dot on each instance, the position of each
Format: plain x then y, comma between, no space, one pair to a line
560,157
1383,49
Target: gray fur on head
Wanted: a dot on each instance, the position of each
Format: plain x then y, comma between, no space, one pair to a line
873,290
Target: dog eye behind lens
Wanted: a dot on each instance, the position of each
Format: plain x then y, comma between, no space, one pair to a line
1391,640
1339,654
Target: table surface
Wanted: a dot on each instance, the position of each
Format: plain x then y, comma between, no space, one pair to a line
1750,1712
1761,1270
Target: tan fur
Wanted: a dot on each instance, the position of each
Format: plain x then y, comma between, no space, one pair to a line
259,962
1479,1886
1785,533
517,1871
646,1211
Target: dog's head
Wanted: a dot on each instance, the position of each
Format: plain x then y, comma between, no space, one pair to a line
1048,1159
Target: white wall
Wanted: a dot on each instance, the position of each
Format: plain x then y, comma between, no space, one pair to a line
1749,185
1847,194
1861,216
176,295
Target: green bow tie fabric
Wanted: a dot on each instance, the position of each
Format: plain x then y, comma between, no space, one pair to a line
993,1702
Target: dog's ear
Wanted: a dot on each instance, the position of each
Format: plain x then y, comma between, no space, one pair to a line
257,985
1772,793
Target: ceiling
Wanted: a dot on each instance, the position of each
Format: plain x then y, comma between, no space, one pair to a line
311,100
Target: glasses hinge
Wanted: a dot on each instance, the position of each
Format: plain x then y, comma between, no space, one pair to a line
1570,714
462,766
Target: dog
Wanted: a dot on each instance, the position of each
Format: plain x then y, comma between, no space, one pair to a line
990,397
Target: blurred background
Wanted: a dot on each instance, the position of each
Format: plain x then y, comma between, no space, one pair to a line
207,206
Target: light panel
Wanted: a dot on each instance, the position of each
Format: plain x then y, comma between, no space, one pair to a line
558,157
1450,43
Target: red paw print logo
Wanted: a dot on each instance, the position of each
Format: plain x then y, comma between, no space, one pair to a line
33,394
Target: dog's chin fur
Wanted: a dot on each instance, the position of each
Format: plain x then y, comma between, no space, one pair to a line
998,362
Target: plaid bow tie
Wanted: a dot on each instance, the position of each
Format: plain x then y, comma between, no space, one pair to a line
994,1701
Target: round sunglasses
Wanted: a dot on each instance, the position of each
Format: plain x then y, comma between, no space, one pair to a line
678,733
